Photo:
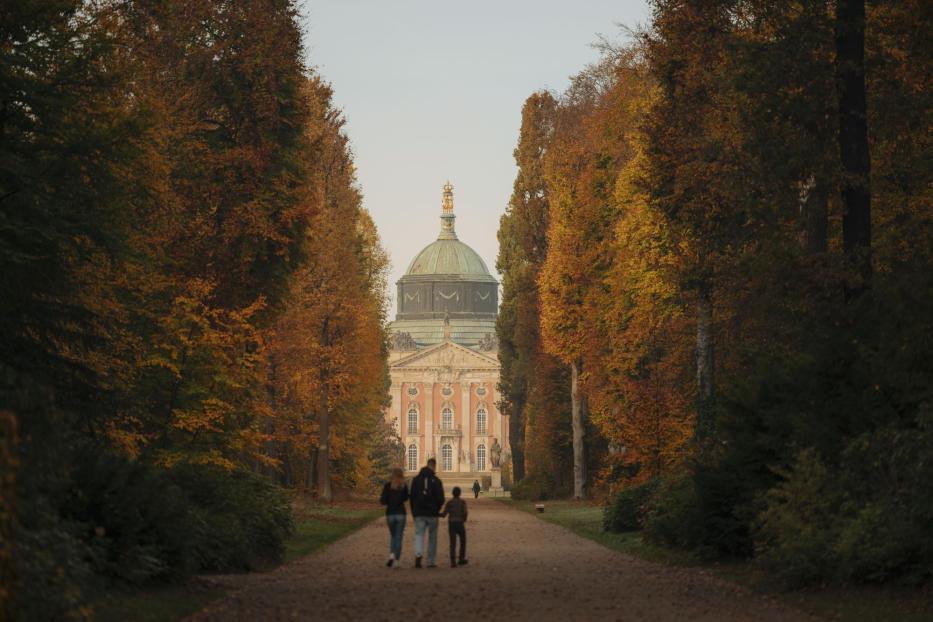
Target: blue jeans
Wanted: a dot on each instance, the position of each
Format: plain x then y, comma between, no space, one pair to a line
431,523
396,524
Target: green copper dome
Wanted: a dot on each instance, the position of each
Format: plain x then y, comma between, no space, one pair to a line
447,282
448,257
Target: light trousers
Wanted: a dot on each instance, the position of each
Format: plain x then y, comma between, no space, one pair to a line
429,523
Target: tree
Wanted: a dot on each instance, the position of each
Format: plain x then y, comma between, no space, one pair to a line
693,155
638,349
329,347
581,167
522,250
162,170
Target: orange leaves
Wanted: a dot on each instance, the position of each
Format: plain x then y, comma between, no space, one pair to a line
327,355
204,366
610,294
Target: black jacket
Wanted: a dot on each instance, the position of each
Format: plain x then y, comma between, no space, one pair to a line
427,494
394,500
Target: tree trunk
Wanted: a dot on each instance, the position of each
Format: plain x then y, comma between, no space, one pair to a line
577,411
817,218
517,441
288,474
704,425
853,144
323,454
312,470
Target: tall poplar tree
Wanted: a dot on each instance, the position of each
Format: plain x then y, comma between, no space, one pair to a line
329,348
581,167
693,156
522,250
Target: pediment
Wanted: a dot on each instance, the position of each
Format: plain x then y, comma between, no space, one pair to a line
447,355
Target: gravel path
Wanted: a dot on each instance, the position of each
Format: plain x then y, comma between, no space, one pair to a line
521,568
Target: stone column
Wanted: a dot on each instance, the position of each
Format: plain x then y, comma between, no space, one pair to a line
495,399
429,421
395,411
466,440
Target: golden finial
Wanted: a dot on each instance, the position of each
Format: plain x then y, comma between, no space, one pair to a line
447,214
448,201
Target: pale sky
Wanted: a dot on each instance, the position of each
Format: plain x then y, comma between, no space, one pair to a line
433,90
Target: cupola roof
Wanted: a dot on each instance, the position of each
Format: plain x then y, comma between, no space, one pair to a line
448,255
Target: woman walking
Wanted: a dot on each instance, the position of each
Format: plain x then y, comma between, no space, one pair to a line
394,496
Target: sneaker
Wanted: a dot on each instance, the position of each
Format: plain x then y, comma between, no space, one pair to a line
418,562
430,565
464,562
391,562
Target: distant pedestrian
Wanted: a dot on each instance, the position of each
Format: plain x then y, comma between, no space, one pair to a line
476,489
456,513
394,496
427,499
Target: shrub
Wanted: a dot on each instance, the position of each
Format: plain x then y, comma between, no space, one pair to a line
144,523
670,513
626,510
106,519
866,519
135,518
795,532
703,511
52,571
535,487
239,519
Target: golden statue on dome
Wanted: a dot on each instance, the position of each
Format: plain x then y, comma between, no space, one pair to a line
448,202
447,214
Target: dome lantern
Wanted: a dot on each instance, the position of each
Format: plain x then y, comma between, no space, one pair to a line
447,214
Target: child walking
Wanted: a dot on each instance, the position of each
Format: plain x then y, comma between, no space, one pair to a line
456,513
394,495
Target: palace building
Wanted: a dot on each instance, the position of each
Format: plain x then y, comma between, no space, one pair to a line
443,360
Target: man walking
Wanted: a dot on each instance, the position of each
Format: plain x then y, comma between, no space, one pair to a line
476,489
427,499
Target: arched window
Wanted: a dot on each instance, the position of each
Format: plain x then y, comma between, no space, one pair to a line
447,458
412,457
447,418
481,420
412,420
481,458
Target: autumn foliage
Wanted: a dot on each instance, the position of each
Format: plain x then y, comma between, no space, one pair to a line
736,270
191,292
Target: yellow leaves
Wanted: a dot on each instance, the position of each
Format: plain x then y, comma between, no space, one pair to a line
162,362
215,457
125,437
609,291
209,417
326,351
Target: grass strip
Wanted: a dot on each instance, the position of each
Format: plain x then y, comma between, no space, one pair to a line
322,526
586,519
